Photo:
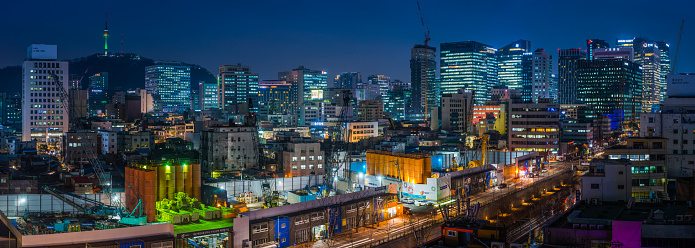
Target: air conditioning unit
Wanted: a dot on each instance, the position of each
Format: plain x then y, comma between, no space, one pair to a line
671,222
497,245
600,227
584,226
679,217
594,201
688,218
575,226
592,227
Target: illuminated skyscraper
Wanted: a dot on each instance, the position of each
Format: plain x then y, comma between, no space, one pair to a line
276,97
170,82
43,115
648,55
238,85
468,65
665,65
567,74
593,44
526,76
98,93
542,75
422,73
611,87
509,61
311,84
383,82
208,95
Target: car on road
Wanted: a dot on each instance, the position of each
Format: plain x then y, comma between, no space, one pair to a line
544,170
422,203
502,186
407,211
408,200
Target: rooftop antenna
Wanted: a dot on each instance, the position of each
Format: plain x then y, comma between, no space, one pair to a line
106,33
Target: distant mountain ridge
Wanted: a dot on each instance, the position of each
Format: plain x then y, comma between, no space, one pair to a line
126,71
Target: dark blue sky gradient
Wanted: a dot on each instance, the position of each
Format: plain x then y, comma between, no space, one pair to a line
372,37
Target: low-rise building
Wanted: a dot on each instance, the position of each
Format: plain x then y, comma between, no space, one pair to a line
649,166
301,159
357,131
608,180
226,149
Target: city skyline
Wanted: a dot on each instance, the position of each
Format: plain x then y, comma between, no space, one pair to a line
279,44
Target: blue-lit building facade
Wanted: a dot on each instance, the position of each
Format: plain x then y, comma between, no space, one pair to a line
312,85
397,102
98,93
567,74
238,87
469,65
509,60
347,80
208,95
276,97
612,88
171,83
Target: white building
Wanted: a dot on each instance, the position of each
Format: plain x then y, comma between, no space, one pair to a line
676,123
608,180
361,130
541,75
43,115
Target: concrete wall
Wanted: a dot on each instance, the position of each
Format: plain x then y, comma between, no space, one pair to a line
97,236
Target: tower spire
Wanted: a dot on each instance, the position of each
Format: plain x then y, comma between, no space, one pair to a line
106,33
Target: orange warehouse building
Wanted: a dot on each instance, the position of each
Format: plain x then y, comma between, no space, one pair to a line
154,182
412,168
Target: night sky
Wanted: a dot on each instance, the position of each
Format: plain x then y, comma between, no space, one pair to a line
371,37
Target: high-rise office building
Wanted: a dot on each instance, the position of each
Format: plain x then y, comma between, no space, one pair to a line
648,55
384,83
277,97
526,76
554,88
468,65
98,93
594,44
43,115
611,87
347,80
311,84
509,60
665,57
422,73
237,86
171,83
397,102
542,75
567,74
208,95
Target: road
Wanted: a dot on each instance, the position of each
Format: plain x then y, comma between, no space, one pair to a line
422,218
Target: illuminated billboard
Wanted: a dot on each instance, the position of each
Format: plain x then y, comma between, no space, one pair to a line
316,94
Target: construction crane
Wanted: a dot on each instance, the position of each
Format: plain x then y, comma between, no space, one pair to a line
483,150
339,144
116,204
427,59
